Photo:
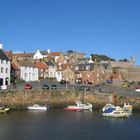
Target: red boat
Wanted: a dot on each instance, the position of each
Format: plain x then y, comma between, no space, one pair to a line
72,108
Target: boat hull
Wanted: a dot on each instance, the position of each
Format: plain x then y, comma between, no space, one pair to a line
116,115
72,109
37,107
4,110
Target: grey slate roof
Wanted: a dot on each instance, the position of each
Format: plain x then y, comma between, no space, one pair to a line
3,55
83,66
26,64
49,63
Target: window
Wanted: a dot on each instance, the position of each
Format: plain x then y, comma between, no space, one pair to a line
87,67
1,70
76,68
6,70
25,75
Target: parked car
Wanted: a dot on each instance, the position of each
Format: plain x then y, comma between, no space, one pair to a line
137,87
28,86
62,82
84,88
45,87
125,85
109,81
53,87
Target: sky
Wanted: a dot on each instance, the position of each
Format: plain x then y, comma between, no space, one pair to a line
109,27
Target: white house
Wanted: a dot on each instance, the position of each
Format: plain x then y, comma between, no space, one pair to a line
28,71
37,55
4,69
59,75
51,70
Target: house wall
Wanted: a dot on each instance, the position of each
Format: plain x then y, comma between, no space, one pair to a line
58,76
37,55
52,72
68,75
4,73
29,74
43,73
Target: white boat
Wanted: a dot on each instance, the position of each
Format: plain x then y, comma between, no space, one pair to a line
110,110
37,107
79,106
137,90
84,106
107,106
116,114
127,107
4,109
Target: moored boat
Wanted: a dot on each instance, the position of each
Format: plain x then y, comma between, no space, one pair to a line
72,108
127,107
37,107
79,106
84,106
4,109
115,114
110,110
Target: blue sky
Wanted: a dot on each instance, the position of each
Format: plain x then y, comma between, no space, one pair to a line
110,27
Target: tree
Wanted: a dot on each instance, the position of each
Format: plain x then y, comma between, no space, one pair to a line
100,58
70,51
124,60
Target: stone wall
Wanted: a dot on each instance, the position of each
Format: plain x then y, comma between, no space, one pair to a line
60,99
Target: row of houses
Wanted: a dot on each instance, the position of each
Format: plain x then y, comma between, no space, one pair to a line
71,66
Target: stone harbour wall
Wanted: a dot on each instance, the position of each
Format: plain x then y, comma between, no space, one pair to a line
60,99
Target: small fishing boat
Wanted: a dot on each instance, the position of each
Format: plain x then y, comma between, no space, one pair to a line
115,113
127,107
79,106
110,110
84,106
72,108
4,109
37,107
107,106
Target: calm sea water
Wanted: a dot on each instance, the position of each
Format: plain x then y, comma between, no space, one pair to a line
62,125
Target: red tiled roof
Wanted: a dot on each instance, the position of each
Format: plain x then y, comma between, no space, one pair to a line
23,54
55,53
15,66
41,65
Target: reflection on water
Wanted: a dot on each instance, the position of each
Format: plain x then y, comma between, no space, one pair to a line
63,125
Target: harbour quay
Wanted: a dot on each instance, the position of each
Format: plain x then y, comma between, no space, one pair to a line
56,99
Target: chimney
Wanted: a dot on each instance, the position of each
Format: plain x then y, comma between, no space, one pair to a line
1,45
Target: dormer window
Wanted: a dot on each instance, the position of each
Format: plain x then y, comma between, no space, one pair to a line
87,67
76,68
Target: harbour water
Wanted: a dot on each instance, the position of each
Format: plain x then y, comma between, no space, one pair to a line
62,125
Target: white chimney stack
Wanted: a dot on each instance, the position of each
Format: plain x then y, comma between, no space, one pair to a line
1,45
49,51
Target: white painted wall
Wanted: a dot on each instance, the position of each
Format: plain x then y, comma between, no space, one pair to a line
29,74
37,55
5,72
58,76
52,72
